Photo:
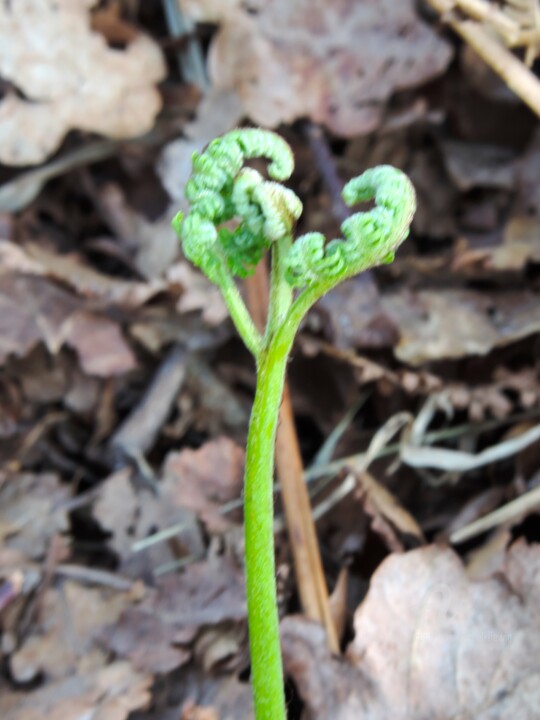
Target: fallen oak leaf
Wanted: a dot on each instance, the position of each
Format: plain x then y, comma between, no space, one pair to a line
111,693
388,517
206,696
99,344
448,324
34,310
429,642
100,90
198,293
440,645
146,641
90,283
330,686
336,63
31,513
203,607
66,639
132,517
203,480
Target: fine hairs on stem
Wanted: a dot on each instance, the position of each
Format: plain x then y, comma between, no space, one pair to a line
235,216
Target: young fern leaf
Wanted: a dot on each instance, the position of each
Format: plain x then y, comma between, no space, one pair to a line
370,237
220,190
235,216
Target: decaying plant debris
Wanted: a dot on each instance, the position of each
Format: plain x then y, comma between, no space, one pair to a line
125,394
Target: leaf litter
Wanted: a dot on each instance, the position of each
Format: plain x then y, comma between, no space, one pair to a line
102,90
429,642
125,394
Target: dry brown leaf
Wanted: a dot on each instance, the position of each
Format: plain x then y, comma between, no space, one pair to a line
100,345
117,508
198,293
195,712
207,696
221,647
436,197
159,326
448,324
527,201
85,280
389,518
110,693
430,643
485,561
130,516
14,258
520,245
146,641
33,310
100,89
484,79
330,686
108,21
440,645
472,165
355,316
524,383
31,513
336,63
204,606
519,248
218,112
150,245
207,593
480,401
66,641
204,479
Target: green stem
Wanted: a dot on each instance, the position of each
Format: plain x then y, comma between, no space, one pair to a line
266,665
240,315
281,293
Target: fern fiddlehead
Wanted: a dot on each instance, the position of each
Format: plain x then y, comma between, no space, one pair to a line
370,237
235,215
220,190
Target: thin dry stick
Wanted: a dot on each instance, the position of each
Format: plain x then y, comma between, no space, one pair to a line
527,13
509,513
493,15
307,560
516,21
514,73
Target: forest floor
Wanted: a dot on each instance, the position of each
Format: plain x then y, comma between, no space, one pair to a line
125,393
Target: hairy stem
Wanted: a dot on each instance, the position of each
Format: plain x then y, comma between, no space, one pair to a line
240,315
281,294
266,665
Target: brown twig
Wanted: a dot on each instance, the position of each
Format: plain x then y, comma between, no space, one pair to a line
138,432
514,73
327,168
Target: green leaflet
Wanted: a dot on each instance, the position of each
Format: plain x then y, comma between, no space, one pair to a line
370,238
221,190
236,215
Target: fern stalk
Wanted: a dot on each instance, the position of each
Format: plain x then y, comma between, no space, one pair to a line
219,191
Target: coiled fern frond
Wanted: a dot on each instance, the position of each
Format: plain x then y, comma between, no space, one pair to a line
370,238
235,215
221,190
